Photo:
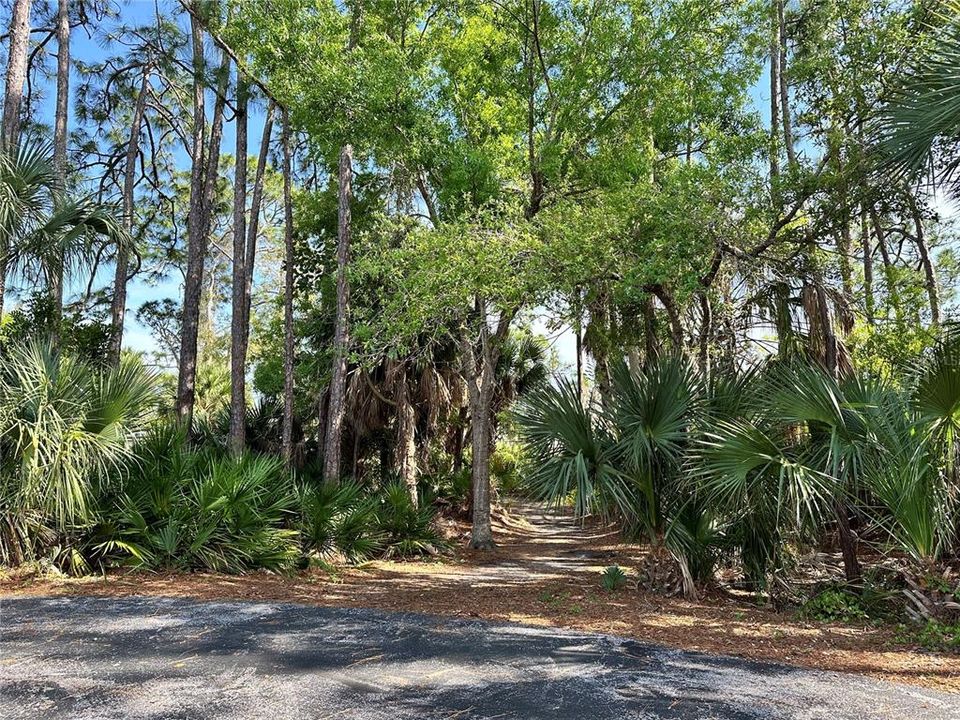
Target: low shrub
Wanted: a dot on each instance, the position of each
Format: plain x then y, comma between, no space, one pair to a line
834,604
407,529
613,578
185,509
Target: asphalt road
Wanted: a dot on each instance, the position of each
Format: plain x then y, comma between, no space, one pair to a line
164,658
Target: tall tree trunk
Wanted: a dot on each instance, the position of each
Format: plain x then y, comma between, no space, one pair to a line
203,182
405,449
13,97
866,248
60,149
288,340
119,303
16,73
341,336
774,153
479,376
785,86
238,389
253,228
929,270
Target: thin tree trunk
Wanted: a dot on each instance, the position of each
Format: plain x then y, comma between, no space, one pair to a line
866,248
785,87
119,303
13,97
341,338
774,93
288,340
198,225
60,149
238,390
929,270
253,227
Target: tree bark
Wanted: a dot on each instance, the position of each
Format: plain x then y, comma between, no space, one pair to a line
119,303
60,149
13,97
480,392
929,269
16,73
341,337
238,389
253,228
774,154
784,85
203,183
848,544
866,248
405,449
288,340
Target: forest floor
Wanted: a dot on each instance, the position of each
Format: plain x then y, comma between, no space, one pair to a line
546,571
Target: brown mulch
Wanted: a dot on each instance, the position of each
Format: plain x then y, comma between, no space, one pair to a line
546,572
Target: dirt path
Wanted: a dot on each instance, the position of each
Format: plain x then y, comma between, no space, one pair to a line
546,572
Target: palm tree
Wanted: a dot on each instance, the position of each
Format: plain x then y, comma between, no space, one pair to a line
47,234
918,128
64,426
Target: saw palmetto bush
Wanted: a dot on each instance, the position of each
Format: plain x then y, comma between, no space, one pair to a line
750,465
181,508
65,429
339,518
625,459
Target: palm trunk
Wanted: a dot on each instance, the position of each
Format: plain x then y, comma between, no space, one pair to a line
238,390
341,337
13,97
198,224
119,303
288,340
60,150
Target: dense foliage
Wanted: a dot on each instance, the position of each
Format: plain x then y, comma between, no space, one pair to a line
686,265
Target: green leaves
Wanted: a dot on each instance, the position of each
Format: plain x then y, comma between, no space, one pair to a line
64,428
918,128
